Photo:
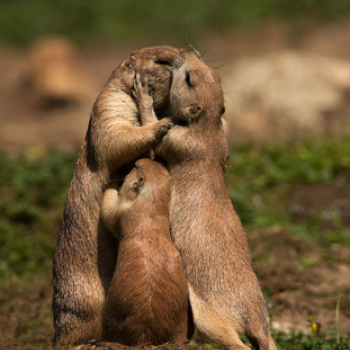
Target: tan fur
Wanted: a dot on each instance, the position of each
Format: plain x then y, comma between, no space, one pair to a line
85,255
224,291
147,301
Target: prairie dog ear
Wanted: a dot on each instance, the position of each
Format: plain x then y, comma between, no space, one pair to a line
129,63
139,183
192,49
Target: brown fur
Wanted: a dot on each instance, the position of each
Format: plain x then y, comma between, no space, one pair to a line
224,292
147,301
85,255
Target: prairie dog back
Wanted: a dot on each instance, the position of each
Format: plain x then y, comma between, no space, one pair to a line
147,301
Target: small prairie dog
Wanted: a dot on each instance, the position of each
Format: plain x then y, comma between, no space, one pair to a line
147,300
224,291
86,252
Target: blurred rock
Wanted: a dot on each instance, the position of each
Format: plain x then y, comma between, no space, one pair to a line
286,95
56,74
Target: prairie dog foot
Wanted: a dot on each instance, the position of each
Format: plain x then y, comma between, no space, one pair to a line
141,92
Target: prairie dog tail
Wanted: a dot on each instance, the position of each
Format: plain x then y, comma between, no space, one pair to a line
222,331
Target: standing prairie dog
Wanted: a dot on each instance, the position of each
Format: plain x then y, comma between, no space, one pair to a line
85,255
224,292
147,301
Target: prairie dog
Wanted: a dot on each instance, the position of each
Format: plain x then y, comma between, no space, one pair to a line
85,255
147,301
224,292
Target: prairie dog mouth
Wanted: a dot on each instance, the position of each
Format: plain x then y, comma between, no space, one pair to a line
180,122
176,120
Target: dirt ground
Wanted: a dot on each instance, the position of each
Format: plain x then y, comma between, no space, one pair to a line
296,289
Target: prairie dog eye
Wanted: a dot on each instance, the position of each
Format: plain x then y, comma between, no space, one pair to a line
188,79
163,63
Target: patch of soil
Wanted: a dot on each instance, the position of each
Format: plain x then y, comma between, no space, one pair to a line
25,314
313,198
294,289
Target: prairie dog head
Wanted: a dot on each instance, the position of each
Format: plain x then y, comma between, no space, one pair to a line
196,88
146,177
158,61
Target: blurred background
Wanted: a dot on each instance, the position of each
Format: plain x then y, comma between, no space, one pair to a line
285,68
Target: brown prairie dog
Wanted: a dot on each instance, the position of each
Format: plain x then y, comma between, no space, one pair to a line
85,255
224,292
147,301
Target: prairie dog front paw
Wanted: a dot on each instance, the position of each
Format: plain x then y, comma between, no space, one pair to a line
164,126
144,101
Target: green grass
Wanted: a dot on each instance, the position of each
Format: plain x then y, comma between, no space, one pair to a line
33,188
298,341
32,192
84,21
311,342
261,179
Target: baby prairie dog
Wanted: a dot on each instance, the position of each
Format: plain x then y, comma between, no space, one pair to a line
147,300
86,252
224,292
